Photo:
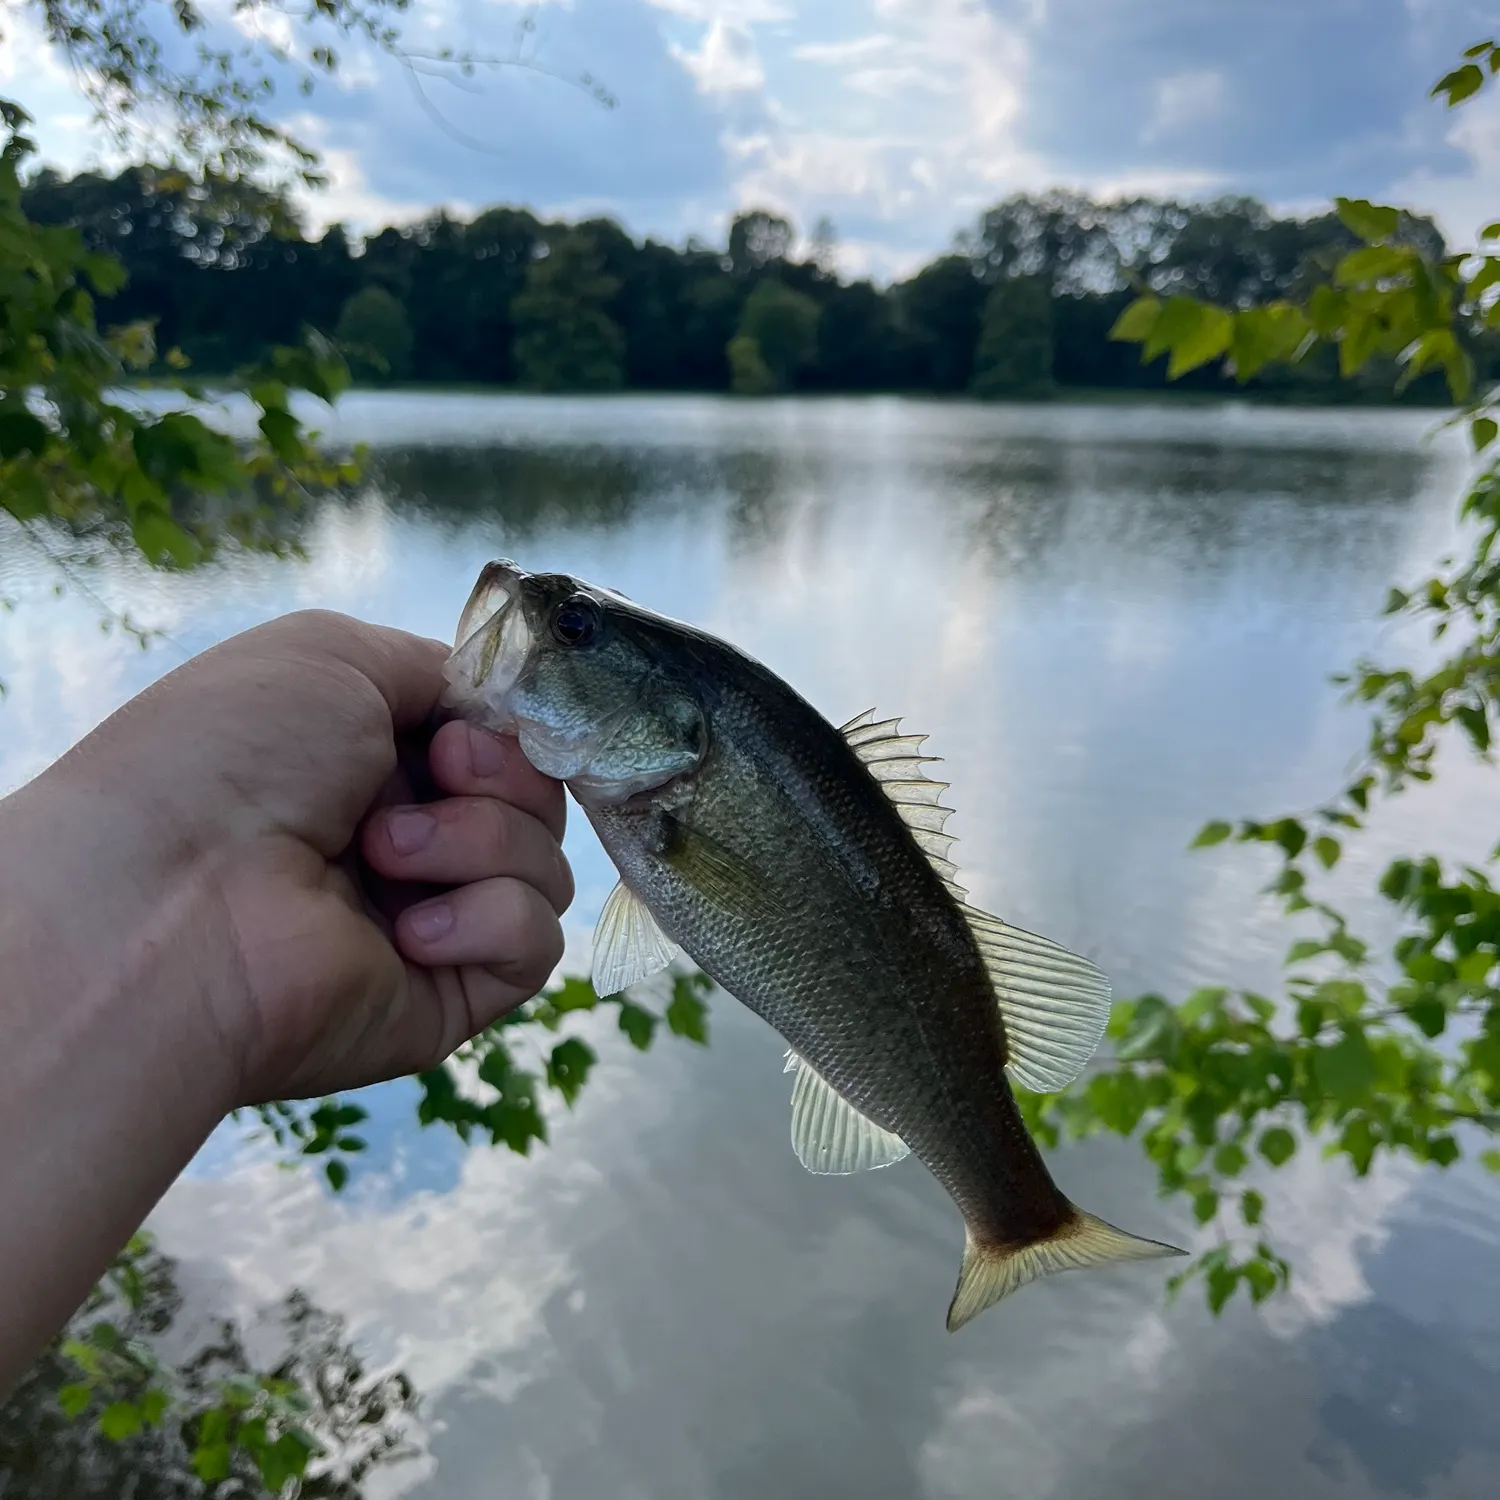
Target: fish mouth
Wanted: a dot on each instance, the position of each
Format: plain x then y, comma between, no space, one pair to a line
492,643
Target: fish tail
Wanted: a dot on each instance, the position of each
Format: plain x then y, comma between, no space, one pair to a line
990,1272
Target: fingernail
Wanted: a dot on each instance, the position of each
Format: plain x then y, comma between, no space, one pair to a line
409,829
431,921
487,754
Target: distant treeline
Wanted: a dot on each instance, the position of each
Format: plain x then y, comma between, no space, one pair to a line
1021,306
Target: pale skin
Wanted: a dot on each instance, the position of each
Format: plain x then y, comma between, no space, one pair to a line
185,926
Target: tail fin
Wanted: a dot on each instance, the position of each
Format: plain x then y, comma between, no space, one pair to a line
990,1273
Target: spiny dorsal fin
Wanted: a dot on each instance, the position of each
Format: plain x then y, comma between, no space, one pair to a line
895,761
1055,1005
829,1135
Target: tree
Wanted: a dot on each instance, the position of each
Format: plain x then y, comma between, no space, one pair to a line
565,338
938,311
1014,357
749,375
778,335
211,1423
1365,1055
376,334
757,241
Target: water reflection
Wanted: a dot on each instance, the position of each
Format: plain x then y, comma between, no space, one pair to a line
1115,623
358,1418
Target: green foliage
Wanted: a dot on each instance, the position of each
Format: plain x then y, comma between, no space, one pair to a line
565,338
1014,355
485,1091
1348,1057
778,335
102,1411
375,334
75,455
749,374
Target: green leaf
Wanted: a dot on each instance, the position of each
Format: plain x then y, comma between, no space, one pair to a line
284,1460
284,433
568,1067
1230,1159
1205,1205
1483,430
1304,949
1277,1145
337,1174
75,1398
162,541
1476,722
1252,1206
1429,1016
1220,1281
154,1406
21,432
211,1462
1135,324
687,1016
637,1024
1328,850
1491,1160
573,994
1373,263
1458,85
1192,332
1370,221
1443,1150
1211,833
1267,335
120,1420
1326,311
1345,1071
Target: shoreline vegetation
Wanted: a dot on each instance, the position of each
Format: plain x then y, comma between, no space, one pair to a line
1022,308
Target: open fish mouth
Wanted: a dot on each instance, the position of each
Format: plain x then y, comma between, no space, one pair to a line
493,642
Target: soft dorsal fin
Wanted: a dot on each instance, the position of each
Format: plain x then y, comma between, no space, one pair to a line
895,761
628,945
1055,1005
829,1135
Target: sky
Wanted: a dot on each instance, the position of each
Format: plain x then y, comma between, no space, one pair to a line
898,120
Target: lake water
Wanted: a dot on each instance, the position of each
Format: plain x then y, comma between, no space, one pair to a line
1115,622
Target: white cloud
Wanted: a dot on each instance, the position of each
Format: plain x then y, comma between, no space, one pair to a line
726,62
844,52
910,121
348,198
1185,101
1462,202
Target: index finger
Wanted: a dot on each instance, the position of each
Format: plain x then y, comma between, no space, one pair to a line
405,669
470,762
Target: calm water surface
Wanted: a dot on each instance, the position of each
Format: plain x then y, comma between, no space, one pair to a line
1115,622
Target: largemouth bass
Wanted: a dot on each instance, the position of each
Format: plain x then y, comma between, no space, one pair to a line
805,869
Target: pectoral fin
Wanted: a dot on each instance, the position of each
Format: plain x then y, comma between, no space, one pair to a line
719,874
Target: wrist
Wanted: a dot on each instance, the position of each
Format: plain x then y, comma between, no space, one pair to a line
107,927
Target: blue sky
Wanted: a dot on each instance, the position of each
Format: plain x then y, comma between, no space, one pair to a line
898,119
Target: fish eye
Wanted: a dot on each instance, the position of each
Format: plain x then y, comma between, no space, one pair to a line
576,621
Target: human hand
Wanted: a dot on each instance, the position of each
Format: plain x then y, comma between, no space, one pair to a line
251,792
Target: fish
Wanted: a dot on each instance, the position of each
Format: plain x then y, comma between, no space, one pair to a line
805,869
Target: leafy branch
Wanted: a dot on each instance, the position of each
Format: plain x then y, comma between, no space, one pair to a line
1347,1060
